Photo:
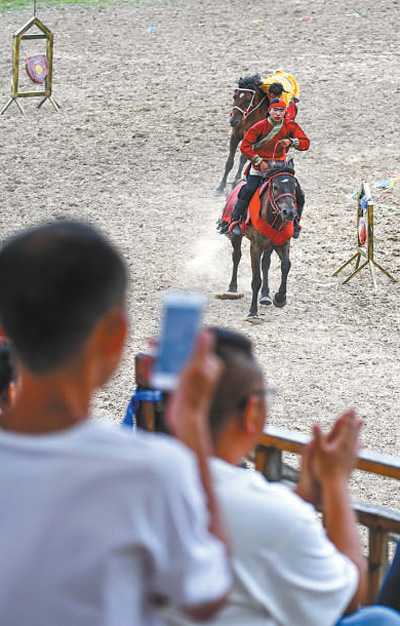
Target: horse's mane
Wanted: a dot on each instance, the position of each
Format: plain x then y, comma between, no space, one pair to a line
271,172
278,170
249,82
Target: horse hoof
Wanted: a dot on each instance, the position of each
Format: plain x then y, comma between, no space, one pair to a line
229,295
254,319
266,300
278,304
219,192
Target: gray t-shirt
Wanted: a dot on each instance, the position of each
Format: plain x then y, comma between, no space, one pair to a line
94,521
286,571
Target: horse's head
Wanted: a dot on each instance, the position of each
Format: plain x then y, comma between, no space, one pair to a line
245,98
242,101
282,190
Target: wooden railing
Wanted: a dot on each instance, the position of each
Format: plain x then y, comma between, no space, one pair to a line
383,524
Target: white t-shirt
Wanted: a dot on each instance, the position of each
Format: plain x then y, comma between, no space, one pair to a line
94,520
286,571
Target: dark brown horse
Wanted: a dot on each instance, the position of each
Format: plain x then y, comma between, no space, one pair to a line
278,210
250,105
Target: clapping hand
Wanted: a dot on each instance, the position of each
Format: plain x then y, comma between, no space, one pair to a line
335,454
329,457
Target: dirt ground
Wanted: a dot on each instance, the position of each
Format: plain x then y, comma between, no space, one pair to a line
139,146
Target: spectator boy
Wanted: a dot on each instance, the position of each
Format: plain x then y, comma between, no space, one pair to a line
288,570
96,525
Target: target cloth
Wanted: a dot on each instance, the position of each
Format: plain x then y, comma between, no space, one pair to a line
362,231
37,68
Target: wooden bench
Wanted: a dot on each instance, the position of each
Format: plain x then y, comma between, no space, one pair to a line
383,524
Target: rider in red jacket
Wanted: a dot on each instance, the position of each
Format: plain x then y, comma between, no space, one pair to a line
267,141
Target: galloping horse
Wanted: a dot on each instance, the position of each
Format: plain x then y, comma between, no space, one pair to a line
250,105
271,228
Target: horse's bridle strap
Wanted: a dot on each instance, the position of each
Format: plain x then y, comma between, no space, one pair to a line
283,195
275,200
246,112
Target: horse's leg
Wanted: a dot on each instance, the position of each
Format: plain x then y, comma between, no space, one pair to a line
240,168
265,263
233,144
283,253
236,241
255,254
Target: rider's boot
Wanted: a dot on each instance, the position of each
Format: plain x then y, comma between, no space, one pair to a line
300,200
296,228
238,213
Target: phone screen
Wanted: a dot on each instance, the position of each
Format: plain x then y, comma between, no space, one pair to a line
180,325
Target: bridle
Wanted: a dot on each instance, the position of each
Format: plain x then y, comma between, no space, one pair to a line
274,199
246,112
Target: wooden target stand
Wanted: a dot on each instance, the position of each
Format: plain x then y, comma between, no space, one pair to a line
21,35
365,238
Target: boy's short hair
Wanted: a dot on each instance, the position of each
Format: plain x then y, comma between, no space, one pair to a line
56,281
276,89
237,380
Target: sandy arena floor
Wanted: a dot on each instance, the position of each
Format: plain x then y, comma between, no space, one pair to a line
140,144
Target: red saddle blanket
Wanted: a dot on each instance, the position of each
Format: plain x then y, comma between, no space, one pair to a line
230,202
253,215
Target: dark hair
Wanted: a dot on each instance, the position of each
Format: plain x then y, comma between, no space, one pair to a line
56,281
237,379
7,372
276,89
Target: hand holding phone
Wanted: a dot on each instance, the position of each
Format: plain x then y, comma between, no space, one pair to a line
188,406
181,319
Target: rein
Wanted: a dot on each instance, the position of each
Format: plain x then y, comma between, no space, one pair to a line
246,112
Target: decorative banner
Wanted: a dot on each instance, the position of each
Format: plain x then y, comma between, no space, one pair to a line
362,232
37,68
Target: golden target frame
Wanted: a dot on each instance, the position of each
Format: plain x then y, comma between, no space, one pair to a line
21,35
365,249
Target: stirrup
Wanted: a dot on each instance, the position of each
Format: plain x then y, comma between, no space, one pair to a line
235,228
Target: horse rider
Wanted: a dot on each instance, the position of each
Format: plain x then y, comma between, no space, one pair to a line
271,84
265,144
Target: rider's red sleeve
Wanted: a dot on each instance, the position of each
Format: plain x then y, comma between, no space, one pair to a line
298,133
254,134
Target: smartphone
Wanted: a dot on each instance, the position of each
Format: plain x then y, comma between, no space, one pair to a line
181,319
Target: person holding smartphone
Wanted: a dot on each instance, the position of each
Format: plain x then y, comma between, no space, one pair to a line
97,526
